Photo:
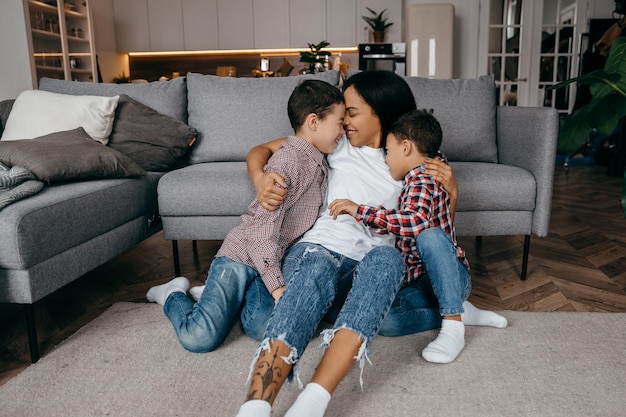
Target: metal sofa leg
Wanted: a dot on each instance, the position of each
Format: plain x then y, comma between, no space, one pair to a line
32,333
176,260
525,257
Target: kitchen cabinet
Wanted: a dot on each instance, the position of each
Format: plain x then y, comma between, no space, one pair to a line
235,21
61,40
132,29
200,28
271,23
165,22
341,22
175,25
307,20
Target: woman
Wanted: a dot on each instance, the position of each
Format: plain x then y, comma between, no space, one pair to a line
338,263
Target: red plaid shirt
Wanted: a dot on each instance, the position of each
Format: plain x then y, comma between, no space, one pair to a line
423,203
262,237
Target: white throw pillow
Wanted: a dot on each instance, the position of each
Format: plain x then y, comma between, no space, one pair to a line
36,113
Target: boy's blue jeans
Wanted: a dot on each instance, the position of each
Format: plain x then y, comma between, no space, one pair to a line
316,277
203,326
440,292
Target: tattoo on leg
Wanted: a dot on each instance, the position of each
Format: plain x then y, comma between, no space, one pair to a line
269,375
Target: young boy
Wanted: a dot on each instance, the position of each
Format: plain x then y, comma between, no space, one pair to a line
424,229
250,256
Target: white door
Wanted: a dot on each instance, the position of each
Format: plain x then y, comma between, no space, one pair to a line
533,44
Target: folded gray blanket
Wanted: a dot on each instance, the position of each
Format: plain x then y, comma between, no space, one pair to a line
16,183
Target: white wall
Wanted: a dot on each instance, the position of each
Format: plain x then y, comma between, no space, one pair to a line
15,74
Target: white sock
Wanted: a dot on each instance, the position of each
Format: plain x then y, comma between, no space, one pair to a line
474,316
160,293
311,402
447,346
255,408
196,292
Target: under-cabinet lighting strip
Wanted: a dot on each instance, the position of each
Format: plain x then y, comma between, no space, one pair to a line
265,52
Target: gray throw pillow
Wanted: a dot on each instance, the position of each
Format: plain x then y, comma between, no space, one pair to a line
68,156
5,109
154,141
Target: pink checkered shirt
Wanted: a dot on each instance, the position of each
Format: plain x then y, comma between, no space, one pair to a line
262,237
423,203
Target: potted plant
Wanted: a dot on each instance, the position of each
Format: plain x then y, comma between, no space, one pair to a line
121,79
607,107
314,57
378,23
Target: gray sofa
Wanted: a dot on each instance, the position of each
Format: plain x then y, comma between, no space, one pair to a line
503,159
57,235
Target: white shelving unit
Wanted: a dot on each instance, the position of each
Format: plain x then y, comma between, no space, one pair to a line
61,40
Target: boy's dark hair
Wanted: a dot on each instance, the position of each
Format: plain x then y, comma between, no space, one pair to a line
387,93
421,128
311,96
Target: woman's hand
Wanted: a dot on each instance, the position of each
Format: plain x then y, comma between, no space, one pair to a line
271,190
270,187
442,172
342,206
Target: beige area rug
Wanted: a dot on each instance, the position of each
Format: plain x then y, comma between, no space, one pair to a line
128,362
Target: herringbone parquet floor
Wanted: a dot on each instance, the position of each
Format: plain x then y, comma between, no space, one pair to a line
580,266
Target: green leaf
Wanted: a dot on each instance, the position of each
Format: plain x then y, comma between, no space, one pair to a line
572,133
607,105
596,76
616,66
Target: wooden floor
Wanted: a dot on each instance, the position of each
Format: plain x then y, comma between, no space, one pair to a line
580,266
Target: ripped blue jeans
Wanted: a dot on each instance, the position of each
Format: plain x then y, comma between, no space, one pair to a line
361,293
230,288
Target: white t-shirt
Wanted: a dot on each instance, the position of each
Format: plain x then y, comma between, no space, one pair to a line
361,175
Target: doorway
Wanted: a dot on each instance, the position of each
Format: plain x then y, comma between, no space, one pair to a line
534,44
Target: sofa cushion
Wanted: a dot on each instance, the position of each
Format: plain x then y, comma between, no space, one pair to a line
153,140
36,113
233,115
493,187
466,109
166,97
79,211
68,155
215,189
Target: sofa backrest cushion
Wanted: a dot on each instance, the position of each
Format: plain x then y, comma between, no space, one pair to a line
466,110
232,115
166,97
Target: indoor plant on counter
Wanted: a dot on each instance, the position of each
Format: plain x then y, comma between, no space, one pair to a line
378,23
315,58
